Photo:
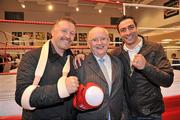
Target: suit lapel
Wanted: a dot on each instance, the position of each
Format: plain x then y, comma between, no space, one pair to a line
114,68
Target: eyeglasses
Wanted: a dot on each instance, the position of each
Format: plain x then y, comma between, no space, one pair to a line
65,32
130,27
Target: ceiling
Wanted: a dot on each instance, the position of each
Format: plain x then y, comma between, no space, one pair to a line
102,4
98,4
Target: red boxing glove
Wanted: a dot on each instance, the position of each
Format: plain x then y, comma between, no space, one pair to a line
88,97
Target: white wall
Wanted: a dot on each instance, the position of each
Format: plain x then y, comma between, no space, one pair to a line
153,17
86,15
34,12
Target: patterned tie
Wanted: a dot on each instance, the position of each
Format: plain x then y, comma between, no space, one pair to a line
105,72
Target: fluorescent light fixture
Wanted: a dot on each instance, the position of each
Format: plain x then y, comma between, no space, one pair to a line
166,40
163,42
177,42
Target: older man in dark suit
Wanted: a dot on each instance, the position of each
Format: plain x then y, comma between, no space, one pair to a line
106,71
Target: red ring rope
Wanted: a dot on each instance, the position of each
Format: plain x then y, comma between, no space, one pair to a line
51,23
8,73
103,1
18,48
43,23
32,47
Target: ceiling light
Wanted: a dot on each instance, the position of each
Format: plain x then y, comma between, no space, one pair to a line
77,9
136,7
50,7
100,11
23,5
117,2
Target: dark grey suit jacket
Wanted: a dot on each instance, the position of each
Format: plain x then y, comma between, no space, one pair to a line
90,72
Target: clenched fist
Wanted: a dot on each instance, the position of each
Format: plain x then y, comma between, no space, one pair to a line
72,84
139,61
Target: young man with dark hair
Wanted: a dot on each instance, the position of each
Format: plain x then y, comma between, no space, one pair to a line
147,68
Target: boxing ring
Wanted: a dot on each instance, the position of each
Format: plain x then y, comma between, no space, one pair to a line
8,84
9,108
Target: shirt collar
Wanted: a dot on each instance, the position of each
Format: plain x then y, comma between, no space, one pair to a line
136,48
105,57
53,55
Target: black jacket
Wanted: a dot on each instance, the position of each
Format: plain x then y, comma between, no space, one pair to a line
142,87
49,106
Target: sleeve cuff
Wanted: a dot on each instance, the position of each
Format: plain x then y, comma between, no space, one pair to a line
25,100
147,67
61,86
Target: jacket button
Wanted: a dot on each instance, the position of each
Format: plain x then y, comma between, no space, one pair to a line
146,111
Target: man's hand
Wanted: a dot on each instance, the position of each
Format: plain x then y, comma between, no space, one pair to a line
77,60
139,62
72,84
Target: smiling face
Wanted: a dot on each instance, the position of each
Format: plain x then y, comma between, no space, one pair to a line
98,41
128,32
63,34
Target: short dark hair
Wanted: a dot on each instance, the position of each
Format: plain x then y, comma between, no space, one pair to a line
124,17
69,19
173,55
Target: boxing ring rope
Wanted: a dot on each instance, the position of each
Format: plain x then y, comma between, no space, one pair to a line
47,23
4,35
16,48
101,1
8,73
52,23
32,47
84,25
6,38
146,6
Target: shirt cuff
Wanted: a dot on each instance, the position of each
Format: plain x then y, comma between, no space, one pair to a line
61,86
